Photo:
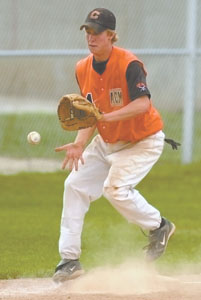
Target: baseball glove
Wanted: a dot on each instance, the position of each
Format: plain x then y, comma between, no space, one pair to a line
76,112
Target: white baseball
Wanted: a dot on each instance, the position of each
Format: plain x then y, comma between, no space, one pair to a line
33,138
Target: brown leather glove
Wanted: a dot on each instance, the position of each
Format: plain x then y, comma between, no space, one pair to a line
76,112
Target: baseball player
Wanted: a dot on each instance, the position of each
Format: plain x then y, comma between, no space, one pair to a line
129,142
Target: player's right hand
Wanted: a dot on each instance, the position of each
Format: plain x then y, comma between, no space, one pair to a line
73,155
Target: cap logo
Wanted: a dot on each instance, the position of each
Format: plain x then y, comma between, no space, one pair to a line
95,14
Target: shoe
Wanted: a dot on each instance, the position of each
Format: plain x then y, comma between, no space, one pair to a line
67,269
158,240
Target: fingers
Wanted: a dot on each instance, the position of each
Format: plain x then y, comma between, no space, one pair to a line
75,164
58,149
82,159
65,162
72,157
71,163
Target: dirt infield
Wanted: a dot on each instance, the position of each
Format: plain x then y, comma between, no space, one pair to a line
123,282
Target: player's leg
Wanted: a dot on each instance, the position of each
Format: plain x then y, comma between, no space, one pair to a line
81,188
128,167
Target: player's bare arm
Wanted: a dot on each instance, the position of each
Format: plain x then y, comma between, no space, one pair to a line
138,106
75,150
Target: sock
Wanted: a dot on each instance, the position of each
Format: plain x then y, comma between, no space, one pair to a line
162,223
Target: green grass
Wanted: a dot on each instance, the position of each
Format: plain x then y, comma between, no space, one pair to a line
15,127
30,217
14,130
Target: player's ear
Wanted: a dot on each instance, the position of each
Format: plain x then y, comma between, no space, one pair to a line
112,35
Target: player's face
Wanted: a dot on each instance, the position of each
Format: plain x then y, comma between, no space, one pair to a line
99,44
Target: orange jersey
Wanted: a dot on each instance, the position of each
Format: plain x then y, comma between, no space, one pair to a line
109,92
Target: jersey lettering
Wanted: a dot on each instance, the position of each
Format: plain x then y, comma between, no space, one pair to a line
116,98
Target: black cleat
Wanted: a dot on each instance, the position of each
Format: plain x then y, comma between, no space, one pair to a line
158,240
67,269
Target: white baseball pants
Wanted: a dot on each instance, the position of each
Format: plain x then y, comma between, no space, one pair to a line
112,170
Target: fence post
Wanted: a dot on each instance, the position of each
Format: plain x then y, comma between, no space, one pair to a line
189,90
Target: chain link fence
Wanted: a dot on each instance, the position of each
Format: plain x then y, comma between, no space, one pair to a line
40,43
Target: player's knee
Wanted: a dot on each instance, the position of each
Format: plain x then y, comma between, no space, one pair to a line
114,193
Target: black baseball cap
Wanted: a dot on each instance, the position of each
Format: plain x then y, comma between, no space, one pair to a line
100,19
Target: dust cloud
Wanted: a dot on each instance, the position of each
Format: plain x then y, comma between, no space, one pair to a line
128,278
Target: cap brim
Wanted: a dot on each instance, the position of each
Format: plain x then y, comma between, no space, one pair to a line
96,27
